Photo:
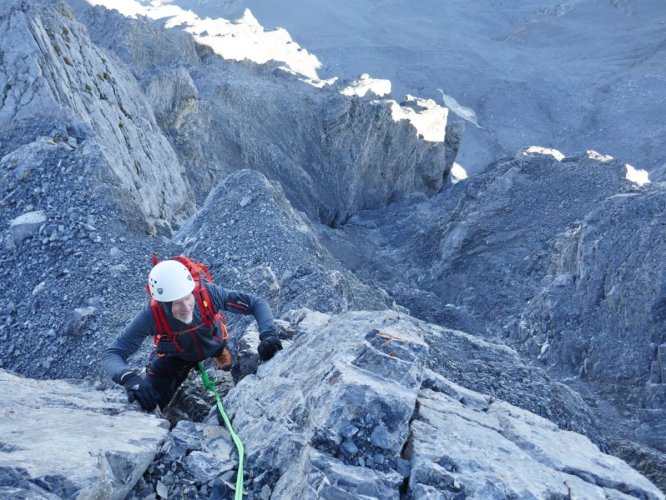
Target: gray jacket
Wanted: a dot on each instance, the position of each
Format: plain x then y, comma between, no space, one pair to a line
114,359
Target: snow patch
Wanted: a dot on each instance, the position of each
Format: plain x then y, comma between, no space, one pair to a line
544,151
246,39
428,117
637,176
366,84
467,114
239,40
458,173
593,155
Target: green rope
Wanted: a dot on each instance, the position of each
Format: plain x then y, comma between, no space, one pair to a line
239,445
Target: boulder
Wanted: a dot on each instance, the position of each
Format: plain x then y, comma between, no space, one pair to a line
63,441
471,445
26,225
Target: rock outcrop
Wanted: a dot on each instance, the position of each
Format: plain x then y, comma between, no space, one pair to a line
55,82
333,154
65,441
557,256
600,312
469,444
349,409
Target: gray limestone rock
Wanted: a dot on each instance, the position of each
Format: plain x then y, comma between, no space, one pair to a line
320,476
26,225
353,386
54,73
173,96
333,154
604,323
331,141
66,441
464,445
359,369
557,256
498,371
560,257
77,319
194,454
141,44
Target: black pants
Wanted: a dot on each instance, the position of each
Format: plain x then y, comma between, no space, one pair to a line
165,374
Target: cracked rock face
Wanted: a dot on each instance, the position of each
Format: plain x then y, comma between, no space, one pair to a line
470,445
346,410
65,441
55,81
333,154
602,306
337,401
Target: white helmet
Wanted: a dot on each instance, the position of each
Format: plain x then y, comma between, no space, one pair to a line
170,280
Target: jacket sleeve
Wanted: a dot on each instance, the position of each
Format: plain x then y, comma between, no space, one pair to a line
245,303
114,359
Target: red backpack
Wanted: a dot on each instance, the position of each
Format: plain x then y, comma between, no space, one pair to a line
200,273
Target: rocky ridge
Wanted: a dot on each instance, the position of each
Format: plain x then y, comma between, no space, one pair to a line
76,237
567,250
312,140
349,408
54,77
45,454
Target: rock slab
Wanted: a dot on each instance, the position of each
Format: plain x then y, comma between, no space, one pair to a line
65,441
349,410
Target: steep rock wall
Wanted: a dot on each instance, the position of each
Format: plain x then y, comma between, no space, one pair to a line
55,79
333,154
600,313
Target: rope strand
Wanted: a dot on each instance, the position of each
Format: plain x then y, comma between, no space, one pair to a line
208,384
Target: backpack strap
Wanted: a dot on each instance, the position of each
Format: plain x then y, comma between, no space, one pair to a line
163,328
205,303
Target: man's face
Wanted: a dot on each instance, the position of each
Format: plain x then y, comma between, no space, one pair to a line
182,308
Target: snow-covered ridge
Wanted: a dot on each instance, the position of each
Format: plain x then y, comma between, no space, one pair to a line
237,40
246,39
634,175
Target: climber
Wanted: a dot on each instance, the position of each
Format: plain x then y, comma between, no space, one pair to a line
185,320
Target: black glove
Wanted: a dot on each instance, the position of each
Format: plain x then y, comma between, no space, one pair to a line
140,390
269,346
